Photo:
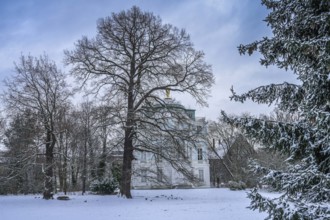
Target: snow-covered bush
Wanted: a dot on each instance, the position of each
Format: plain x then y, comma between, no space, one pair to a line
301,44
104,186
233,185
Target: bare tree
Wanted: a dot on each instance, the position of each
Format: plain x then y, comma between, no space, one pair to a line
64,126
105,126
222,135
133,59
88,143
38,85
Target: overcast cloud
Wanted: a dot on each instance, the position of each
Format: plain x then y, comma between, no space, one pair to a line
216,26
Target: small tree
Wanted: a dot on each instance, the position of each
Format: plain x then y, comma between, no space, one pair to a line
133,59
301,43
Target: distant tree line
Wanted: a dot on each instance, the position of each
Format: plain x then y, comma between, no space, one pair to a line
84,150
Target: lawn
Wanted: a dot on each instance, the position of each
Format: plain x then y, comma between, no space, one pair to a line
178,204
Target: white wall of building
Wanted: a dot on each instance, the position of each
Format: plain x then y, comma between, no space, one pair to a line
150,172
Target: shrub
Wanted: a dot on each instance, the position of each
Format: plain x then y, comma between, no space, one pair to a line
236,185
105,186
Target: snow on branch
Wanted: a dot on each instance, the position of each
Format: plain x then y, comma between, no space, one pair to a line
282,136
289,95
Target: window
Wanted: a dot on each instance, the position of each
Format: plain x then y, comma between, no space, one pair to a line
200,154
143,176
201,175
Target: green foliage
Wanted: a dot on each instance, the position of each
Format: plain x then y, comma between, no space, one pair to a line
236,185
105,186
19,173
300,44
116,172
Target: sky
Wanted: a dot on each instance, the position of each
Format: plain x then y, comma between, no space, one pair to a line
216,27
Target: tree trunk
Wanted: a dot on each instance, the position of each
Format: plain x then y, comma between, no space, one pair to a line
60,163
127,165
50,143
84,171
73,177
129,133
103,159
65,171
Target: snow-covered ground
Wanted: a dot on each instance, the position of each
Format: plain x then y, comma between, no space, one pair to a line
185,204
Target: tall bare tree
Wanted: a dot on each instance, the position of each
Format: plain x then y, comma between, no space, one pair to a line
103,116
40,86
134,58
87,142
65,128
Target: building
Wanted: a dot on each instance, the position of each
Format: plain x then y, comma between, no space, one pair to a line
231,163
177,157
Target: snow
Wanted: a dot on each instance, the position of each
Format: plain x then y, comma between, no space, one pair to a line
178,204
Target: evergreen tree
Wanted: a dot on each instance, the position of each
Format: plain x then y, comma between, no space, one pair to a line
301,44
21,141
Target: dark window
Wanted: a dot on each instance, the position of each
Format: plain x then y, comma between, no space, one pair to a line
200,154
